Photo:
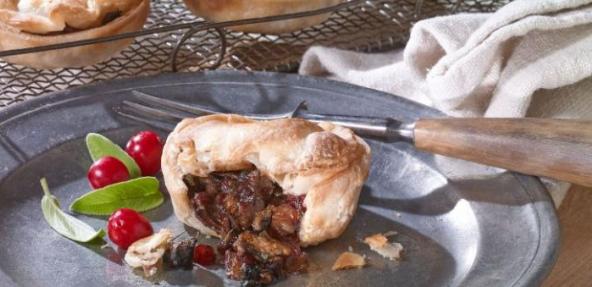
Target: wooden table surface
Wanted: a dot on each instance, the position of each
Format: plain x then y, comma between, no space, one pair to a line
574,265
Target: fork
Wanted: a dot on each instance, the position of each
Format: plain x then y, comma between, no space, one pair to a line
555,148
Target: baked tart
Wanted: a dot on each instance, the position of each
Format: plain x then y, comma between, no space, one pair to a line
32,23
265,188
227,10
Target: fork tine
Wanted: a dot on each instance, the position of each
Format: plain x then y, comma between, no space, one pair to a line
202,110
138,108
193,109
158,124
197,110
158,110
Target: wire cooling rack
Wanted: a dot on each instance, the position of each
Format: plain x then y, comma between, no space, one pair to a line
190,44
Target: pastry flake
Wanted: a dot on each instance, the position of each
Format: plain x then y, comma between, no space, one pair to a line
379,243
147,253
349,260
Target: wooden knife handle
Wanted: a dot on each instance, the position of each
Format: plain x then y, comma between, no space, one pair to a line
560,149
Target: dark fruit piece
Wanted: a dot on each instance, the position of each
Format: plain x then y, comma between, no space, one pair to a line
181,254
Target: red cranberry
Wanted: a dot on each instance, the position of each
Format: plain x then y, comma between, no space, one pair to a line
146,149
126,226
106,171
204,255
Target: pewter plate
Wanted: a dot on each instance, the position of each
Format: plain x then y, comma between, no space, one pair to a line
500,231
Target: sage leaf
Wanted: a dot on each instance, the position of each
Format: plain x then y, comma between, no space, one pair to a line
63,223
100,146
140,194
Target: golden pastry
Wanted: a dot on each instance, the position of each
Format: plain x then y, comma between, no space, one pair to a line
226,10
31,23
266,188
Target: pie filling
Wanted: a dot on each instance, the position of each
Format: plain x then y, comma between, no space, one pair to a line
258,224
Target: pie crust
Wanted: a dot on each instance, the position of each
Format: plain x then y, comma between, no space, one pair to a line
227,10
327,163
14,37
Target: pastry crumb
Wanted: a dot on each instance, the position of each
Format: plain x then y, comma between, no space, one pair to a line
379,243
349,260
376,240
147,253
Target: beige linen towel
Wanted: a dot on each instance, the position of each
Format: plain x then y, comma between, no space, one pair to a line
530,58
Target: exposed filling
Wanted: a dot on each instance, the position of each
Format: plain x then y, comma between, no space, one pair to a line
258,224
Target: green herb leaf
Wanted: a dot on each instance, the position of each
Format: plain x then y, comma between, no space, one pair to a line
140,194
99,146
63,223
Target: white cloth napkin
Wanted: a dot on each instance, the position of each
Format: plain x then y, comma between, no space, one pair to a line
530,58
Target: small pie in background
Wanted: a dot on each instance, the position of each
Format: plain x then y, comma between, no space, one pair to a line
228,10
32,23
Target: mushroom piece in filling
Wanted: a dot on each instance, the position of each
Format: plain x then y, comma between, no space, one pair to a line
258,224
